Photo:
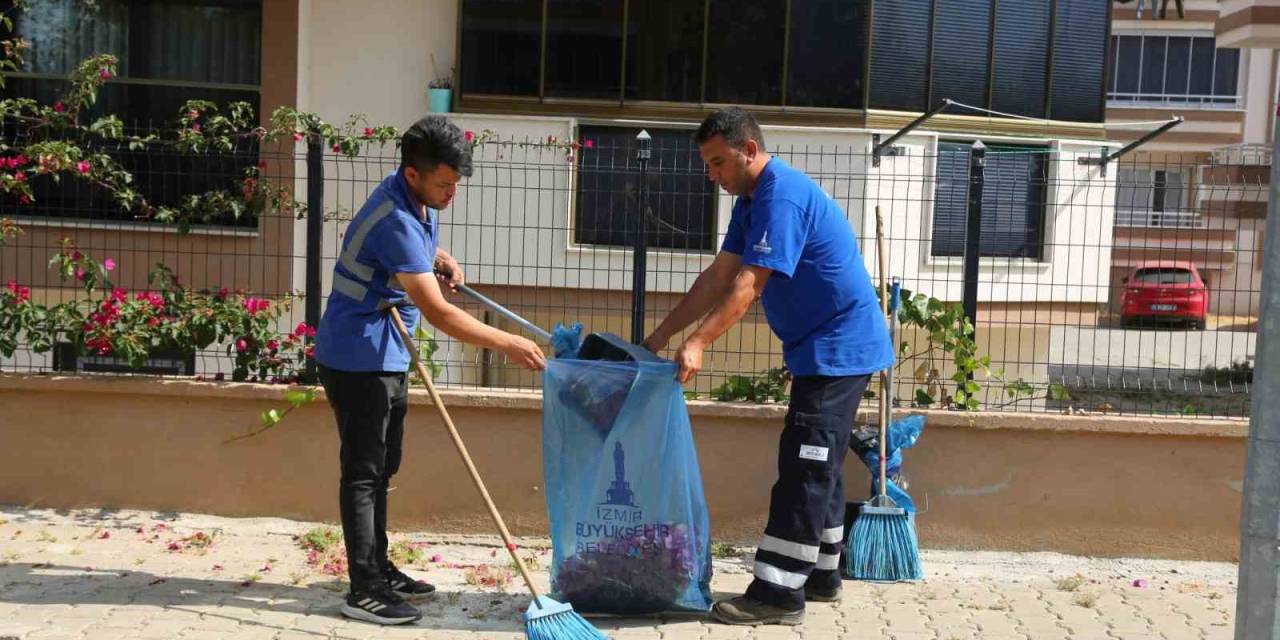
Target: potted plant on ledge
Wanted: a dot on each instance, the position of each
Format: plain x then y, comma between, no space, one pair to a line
440,90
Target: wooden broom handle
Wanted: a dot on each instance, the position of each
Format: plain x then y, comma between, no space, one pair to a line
884,377
462,451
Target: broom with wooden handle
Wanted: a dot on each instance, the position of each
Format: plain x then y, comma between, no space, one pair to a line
545,619
882,545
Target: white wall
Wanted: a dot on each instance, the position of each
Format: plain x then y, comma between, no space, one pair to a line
373,57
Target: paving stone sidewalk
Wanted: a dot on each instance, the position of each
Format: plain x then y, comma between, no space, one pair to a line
89,574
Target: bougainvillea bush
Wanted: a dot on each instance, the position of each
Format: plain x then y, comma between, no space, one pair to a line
107,320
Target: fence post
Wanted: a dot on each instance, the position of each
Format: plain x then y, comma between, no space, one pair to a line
315,238
1258,603
973,235
639,242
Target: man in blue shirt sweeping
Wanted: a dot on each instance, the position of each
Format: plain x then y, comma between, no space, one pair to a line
789,243
388,255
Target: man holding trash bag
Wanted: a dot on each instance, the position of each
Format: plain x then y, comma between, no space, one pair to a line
387,258
790,243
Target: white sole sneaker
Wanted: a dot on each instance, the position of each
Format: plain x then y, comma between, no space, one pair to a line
356,613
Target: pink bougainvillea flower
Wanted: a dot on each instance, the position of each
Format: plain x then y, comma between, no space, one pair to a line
109,264
262,164
589,144
222,293
20,160
79,273
241,345
83,166
195,127
368,132
469,135
104,73
59,107
297,136
193,114
20,176
273,345
337,148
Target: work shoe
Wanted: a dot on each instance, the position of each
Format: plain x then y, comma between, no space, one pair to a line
406,585
750,612
817,594
380,606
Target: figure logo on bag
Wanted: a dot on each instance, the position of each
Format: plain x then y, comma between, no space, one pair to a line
620,492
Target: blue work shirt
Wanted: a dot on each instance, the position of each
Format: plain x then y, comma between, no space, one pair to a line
388,236
819,299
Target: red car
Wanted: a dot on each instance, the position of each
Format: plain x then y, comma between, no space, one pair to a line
1164,290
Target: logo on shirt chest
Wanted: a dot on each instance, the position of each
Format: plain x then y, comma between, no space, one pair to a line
763,245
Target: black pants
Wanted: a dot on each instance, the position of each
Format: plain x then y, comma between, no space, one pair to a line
802,539
370,408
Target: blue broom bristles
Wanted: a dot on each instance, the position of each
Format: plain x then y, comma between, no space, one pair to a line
547,619
883,546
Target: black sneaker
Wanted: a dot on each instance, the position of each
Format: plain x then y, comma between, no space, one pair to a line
406,585
380,606
751,612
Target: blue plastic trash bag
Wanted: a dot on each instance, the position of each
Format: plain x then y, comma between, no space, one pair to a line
903,433
629,524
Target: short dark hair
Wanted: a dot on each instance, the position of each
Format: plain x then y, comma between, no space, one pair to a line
432,141
734,123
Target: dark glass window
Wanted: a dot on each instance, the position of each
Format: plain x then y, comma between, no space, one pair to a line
664,50
584,48
828,53
501,46
169,51
681,212
745,51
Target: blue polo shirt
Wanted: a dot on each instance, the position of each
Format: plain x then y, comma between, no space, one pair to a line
388,236
819,299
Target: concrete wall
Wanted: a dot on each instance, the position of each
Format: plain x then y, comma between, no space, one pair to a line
1082,485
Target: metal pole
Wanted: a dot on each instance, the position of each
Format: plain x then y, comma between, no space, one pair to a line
973,233
639,244
1257,613
315,238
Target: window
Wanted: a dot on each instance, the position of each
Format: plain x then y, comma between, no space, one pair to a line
1164,275
1021,57
584,48
1013,201
664,51
1172,70
501,46
900,54
682,201
961,44
170,51
828,44
745,51
1152,198
1079,35
1030,58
